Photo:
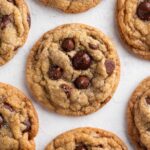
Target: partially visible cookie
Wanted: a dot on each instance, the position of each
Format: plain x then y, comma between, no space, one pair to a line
134,24
18,120
71,6
14,27
73,70
138,116
87,139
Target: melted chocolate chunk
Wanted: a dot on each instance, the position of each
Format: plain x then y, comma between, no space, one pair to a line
68,44
81,146
148,100
93,46
67,89
16,48
55,72
1,121
81,61
110,66
143,10
27,123
101,146
82,82
7,106
12,1
5,20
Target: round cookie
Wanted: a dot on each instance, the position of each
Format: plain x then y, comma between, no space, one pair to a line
72,6
134,23
73,70
18,120
14,27
85,139
138,116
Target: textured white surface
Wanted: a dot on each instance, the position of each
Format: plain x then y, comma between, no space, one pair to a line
112,116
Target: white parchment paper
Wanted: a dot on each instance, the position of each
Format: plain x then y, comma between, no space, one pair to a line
133,70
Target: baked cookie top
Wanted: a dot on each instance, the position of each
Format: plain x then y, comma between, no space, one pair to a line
138,116
134,24
71,6
18,120
87,139
73,69
14,27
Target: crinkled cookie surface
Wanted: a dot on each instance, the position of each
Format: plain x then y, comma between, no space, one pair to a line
18,120
73,70
87,139
139,116
72,6
134,24
14,27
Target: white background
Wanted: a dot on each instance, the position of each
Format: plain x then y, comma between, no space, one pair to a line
112,116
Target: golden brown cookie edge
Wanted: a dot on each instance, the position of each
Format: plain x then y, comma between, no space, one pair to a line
24,6
136,52
73,11
68,113
132,130
28,101
99,131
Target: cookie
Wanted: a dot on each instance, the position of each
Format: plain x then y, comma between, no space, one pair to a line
134,24
87,139
138,116
72,6
73,70
18,120
14,27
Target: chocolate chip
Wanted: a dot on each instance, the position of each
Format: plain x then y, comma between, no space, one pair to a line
27,123
68,44
67,89
5,20
3,97
143,10
7,106
16,48
12,1
93,46
81,61
55,72
141,145
1,120
82,82
148,100
101,146
29,20
81,146
110,66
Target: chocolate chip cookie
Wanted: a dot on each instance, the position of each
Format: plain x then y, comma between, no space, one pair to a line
73,70
87,139
14,27
18,120
71,6
138,116
134,24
